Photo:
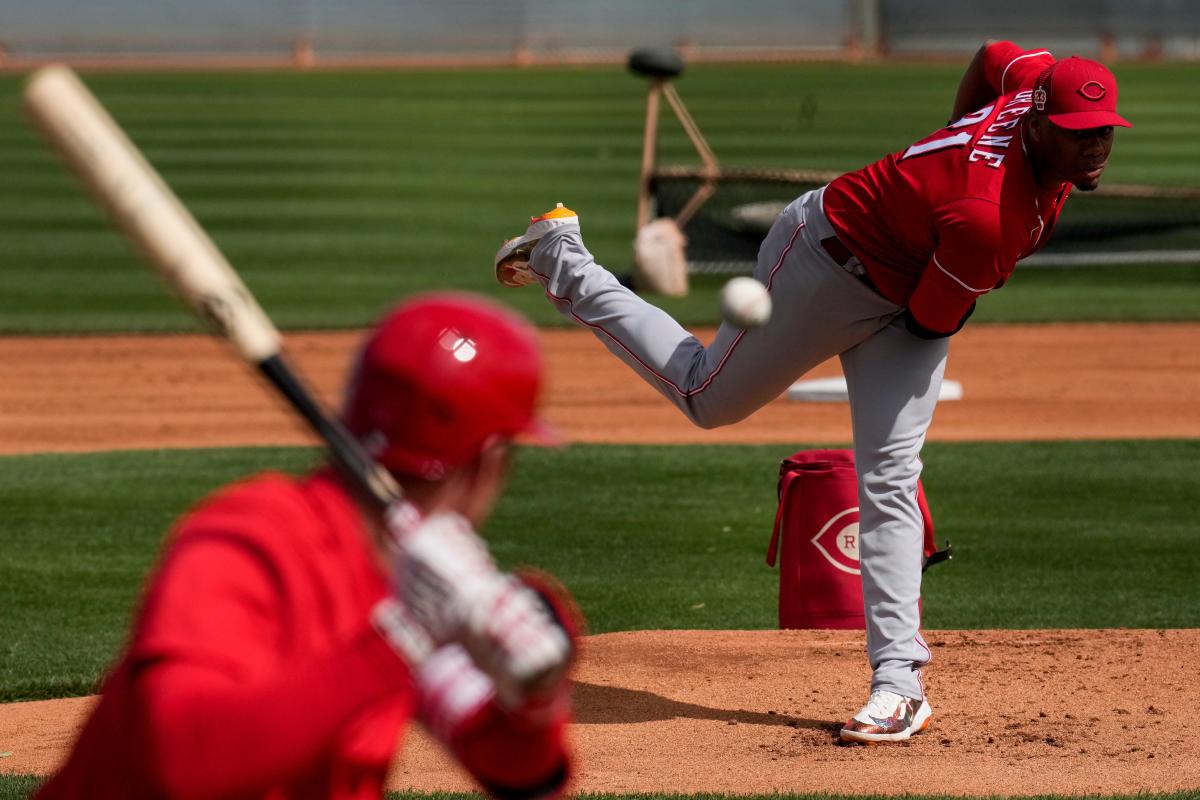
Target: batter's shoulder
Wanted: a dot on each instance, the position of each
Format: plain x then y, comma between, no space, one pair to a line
264,489
312,513
249,509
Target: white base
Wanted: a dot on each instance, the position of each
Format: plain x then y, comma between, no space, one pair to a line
833,390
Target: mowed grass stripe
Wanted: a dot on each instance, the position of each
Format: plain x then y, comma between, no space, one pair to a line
330,169
361,279
1047,535
269,158
735,98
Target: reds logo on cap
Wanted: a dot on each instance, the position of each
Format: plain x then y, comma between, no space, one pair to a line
1093,90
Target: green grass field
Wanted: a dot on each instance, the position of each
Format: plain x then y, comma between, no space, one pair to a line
336,193
1092,535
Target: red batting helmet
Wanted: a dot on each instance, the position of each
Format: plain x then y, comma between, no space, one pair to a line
440,377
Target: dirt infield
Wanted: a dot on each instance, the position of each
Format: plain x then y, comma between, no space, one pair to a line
1035,382
1015,712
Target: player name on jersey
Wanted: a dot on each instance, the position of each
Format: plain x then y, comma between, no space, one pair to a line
991,141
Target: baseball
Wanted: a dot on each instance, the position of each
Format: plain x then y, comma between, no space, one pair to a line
745,302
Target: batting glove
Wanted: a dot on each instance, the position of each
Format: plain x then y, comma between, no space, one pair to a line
447,581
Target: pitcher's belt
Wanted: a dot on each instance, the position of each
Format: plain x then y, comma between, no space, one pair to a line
842,255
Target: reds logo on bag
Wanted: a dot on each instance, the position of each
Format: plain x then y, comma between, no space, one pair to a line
837,540
816,538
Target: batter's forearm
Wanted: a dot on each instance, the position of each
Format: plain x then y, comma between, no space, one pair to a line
974,91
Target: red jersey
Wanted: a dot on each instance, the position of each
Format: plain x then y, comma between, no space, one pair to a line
945,221
253,669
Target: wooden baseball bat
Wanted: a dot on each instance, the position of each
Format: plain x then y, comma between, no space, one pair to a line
145,209
175,245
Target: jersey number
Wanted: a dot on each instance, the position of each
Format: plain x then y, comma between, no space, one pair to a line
941,141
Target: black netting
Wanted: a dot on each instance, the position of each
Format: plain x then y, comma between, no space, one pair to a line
1117,224
1113,224
724,235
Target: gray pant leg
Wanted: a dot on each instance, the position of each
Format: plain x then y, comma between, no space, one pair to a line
894,379
820,310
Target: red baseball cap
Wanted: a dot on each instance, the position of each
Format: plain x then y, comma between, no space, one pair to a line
1078,93
439,378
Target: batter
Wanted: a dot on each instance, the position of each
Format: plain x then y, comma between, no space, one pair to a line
880,267
272,656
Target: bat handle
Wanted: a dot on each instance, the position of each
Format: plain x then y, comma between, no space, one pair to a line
369,479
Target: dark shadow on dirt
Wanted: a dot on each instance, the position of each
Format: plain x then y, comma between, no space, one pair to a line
610,705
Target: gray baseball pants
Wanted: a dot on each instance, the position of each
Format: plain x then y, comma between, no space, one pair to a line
821,310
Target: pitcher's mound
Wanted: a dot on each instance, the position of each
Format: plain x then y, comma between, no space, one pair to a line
1014,712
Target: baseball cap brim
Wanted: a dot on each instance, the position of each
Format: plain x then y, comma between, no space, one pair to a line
1082,120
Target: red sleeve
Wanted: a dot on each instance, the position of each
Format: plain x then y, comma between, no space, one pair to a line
217,708
1009,68
514,754
517,754
973,256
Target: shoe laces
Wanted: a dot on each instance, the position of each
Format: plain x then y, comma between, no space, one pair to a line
883,704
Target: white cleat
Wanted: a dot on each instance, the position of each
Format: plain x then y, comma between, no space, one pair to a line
512,259
887,717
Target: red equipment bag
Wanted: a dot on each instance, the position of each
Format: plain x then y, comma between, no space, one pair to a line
816,539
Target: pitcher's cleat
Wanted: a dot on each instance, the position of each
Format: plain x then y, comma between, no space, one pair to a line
512,259
887,717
